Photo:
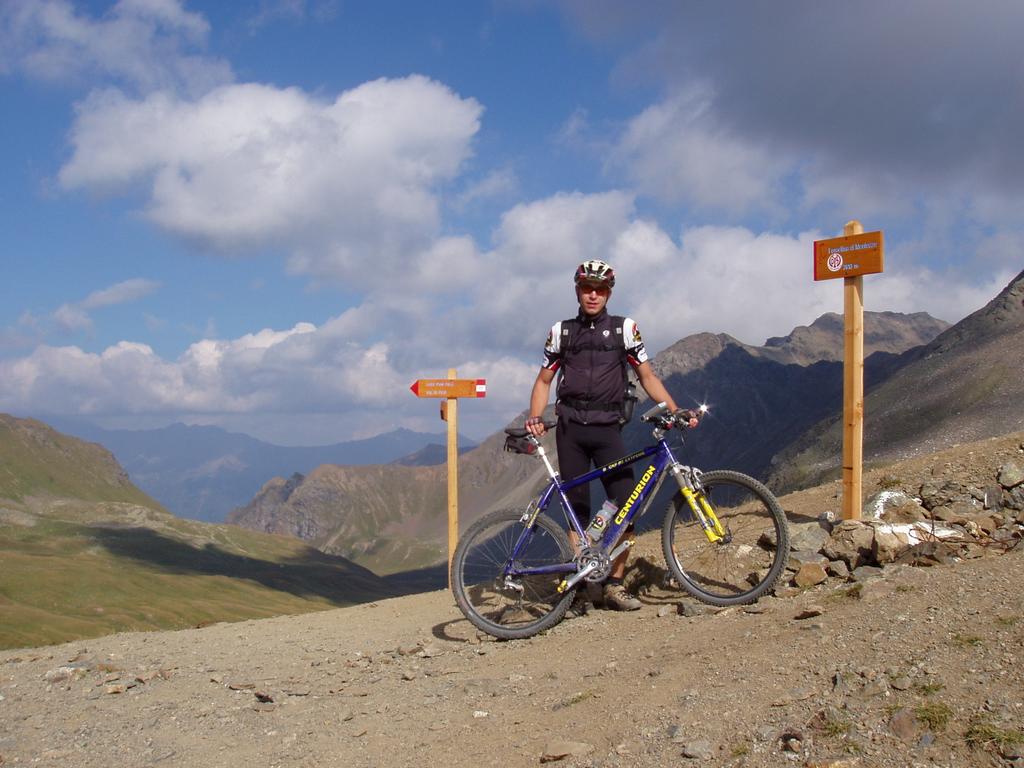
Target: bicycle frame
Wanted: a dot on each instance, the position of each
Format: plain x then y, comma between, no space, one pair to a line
646,488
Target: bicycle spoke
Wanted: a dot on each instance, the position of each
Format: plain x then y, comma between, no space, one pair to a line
510,605
743,565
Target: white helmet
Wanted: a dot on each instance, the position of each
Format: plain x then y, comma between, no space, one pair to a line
595,271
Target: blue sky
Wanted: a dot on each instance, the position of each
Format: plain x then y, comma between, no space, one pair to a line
273,216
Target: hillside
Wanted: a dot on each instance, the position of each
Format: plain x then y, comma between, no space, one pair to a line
84,553
963,385
906,666
37,460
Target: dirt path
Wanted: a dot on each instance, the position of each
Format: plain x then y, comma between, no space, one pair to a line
408,682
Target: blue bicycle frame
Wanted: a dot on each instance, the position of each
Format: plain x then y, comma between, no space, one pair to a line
661,459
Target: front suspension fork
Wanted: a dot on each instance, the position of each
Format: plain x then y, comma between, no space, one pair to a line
702,510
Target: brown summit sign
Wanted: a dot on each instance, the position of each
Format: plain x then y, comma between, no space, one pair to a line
849,256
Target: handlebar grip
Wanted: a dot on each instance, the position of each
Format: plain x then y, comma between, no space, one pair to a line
654,412
520,432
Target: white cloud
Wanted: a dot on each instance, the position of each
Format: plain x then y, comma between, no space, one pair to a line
120,293
75,317
676,151
339,184
144,44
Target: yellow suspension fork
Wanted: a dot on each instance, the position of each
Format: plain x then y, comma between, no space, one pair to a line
705,515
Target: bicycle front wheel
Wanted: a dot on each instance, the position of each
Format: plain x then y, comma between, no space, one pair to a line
744,564
510,606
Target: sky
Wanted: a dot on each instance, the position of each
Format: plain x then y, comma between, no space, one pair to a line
274,216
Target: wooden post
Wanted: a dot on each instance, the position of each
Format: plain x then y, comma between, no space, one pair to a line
451,417
853,388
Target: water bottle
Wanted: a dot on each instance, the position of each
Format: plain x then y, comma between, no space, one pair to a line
596,528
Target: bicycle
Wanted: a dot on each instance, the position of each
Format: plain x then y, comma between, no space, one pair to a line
724,538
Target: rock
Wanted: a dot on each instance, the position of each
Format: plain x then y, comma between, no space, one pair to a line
887,546
935,495
799,558
865,572
690,608
1010,475
1014,498
881,506
809,612
62,674
851,542
807,537
664,610
904,726
838,569
993,498
809,575
928,553
698,750
561,749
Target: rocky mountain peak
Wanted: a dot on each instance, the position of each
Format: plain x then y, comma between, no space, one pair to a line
1004,314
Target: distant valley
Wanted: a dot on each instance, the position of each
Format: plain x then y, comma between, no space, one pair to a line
203,473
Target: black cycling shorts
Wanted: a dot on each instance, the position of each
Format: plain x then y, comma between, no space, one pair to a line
582,447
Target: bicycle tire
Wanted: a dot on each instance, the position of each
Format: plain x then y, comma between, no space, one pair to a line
478,585
749,563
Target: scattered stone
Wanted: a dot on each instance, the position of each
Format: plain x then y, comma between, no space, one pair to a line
809,575
838,568
887,546
865,572
807,537
928,553
665,610
901,683
809,612
1010,475
560,749
690,609
698,750
894,506
851,542
904,726
62,674
263,697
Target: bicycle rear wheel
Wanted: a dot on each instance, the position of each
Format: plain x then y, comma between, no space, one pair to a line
748,561
518,606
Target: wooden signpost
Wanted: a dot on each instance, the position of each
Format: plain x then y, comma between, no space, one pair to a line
450,390
850,257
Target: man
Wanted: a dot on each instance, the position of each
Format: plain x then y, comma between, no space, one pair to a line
592,351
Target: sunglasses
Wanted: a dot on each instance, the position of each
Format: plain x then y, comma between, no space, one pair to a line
600,290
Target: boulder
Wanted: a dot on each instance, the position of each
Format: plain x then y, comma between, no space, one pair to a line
851,541
810,574
887,546
810,537
1010,475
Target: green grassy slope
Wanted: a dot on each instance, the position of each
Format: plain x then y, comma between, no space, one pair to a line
37,460
84,553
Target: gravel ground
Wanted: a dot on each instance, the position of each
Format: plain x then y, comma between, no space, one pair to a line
918,666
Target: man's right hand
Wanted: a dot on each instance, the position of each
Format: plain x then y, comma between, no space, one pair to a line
684,417
535,426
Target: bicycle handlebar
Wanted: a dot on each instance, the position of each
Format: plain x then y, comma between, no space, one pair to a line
520,432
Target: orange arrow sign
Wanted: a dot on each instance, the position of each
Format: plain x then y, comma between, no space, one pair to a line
449,388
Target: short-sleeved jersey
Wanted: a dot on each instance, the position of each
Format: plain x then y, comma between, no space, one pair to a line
636,353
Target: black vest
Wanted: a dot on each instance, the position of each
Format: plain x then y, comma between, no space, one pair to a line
594,369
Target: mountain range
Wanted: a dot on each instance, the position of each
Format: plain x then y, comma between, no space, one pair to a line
203,472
